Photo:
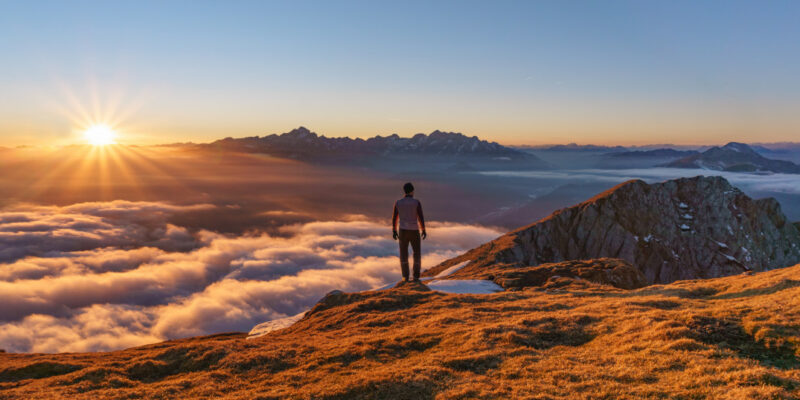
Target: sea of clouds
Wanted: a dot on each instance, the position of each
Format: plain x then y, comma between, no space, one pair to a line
111,275
768,182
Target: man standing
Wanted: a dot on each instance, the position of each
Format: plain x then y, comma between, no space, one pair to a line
408,211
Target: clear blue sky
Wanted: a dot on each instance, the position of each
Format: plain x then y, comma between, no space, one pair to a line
515,72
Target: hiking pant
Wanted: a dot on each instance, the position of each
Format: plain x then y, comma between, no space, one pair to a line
405,237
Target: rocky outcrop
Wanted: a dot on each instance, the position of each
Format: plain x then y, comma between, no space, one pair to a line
604,271
686,228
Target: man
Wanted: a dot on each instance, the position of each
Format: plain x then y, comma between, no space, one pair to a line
408,211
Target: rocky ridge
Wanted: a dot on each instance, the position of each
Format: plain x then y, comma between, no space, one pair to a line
687,228
301,143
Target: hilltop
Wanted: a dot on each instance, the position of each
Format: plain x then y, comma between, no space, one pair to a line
733,337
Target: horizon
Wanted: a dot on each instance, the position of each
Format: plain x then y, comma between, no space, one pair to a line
80,142
517,73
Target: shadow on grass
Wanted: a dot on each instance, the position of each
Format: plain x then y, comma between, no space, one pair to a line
730,335
37,370
782,285
388,389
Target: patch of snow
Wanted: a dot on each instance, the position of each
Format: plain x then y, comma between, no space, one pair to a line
269,326
730,258
685,227
452,269
636,238
730,230
467,286
722,245
687,216
683,205
648,238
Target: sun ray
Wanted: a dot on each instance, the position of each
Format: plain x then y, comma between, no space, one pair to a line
122,164
100,135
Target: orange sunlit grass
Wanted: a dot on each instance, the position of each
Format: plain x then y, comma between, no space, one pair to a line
718,338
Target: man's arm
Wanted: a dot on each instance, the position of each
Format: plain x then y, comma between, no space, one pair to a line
395,216
421,219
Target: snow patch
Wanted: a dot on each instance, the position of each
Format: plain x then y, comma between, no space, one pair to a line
466,286
269,326
452,269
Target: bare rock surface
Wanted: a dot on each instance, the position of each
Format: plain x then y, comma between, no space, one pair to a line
686,228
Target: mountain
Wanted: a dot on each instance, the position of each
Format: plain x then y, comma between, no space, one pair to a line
686,228
659,153
574,147
731,338
303,144
736,157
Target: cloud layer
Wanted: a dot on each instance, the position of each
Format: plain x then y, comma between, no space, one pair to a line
101,276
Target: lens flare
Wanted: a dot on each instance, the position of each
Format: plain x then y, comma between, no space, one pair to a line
99,135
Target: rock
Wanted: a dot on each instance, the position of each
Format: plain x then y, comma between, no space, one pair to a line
332,299
605,271
644,225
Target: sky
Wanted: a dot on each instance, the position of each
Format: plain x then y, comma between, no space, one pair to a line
527,72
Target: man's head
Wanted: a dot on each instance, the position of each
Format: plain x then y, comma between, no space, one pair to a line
408,188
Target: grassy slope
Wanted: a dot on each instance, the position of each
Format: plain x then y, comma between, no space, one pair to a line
734,337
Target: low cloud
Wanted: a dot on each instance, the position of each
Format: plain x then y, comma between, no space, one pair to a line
781,183
102,276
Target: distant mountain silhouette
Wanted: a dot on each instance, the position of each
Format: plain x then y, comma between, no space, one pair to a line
736,157
656,153
582,147
304,144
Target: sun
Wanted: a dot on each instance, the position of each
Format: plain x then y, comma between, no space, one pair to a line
99,135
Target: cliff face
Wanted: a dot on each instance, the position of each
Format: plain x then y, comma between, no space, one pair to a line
686,228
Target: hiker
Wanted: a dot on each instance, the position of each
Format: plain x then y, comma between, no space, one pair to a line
408,211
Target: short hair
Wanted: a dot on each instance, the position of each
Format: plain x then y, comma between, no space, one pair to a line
408,187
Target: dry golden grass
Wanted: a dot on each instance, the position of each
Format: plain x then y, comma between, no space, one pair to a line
727,338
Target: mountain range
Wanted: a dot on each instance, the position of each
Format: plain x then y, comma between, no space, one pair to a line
656,153
302,144
735,157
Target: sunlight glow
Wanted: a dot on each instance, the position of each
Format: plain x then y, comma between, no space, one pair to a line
99,135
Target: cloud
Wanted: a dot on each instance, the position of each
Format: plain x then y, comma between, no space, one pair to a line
781,183
102,276
46,230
